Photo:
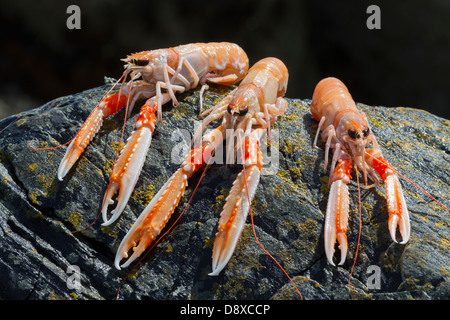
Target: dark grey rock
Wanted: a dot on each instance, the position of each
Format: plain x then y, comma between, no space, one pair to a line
38,212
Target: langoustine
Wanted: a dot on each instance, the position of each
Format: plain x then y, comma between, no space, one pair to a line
174,70
347,132
248,110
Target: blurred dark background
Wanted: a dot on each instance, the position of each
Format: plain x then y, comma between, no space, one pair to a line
406,63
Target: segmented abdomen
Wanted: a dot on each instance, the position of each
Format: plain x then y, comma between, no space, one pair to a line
331,97
226,58
276,68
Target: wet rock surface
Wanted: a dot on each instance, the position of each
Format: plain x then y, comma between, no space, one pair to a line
38,212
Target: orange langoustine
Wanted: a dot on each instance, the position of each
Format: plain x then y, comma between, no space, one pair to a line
174,70
347,132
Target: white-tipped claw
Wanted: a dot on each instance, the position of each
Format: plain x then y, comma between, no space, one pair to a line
122,199
232,218
342,240
398,211
138,240
71,156
336,221
152,220
79,143
126,172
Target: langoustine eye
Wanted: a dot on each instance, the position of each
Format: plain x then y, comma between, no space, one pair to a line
366,132
142,62
241,111
353,133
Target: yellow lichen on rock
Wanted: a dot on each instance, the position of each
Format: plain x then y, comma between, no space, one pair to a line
32,167
75,219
